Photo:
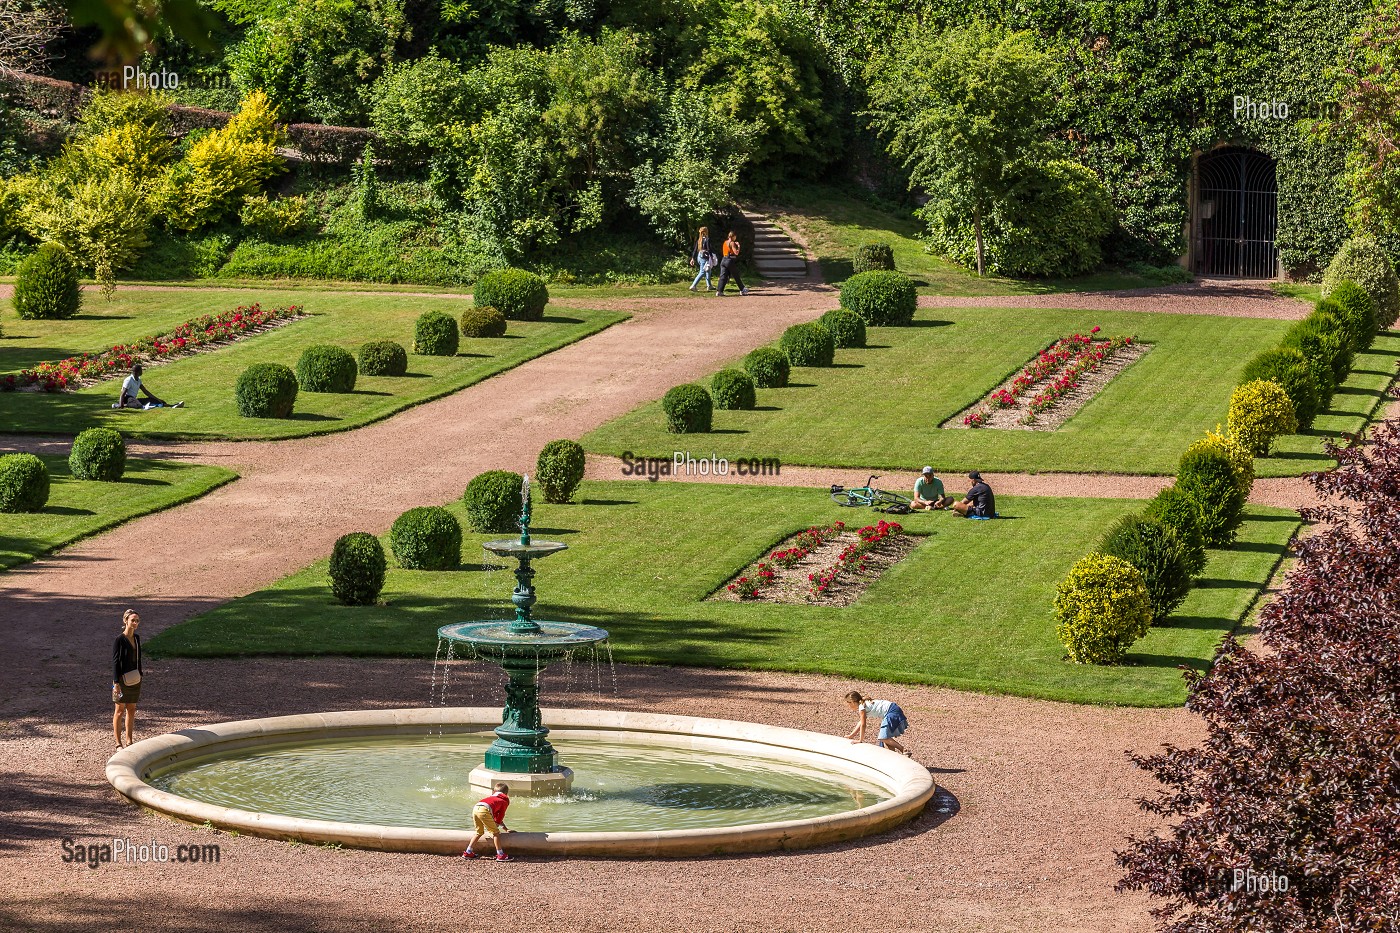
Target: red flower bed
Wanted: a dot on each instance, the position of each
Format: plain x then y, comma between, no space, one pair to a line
855,557
186,338
1062,365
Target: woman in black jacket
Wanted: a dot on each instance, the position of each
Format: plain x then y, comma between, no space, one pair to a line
126,677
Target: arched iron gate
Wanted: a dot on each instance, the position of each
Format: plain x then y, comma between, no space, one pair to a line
1236,214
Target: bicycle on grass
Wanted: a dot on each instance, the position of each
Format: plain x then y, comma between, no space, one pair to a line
868,495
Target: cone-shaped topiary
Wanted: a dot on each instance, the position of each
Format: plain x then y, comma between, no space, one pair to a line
1159,555
1362,260
266,390
24,483
1358,309
519,295
881,298
383,358
769,366
98,454
1101,608
46,285
1288,368
493,502
427,538
357,569
688,409
1206,476
435,334
326,369
1259,412
808,345
485,321
559,470
1178,511
873,257
847,329
734,390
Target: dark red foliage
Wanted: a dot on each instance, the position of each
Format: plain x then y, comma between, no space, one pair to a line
1299,776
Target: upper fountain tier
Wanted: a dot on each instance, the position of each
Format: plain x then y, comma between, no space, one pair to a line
512,547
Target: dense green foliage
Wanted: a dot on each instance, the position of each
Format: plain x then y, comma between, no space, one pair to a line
266,390
1178,511
769,366
98,454
1321,348
383,358
734,390
484,321
1101,607
881,298
357,569
1260,411
808,344
1356,307
1159,555
326,368
1211,482
1363,260
847,328
47,285
493,502
435,334
1289,369
427,538
688,409
517,294
872,257
559,469
24,483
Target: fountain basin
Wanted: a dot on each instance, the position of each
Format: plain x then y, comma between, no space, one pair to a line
512,547
495,640
901,787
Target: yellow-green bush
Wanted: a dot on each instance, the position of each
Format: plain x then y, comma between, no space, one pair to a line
140,150
1101,608
273,218
224,167
1241,460
1259,412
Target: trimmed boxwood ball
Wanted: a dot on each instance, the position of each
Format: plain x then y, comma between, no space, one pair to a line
808,345
435,334
519,295
493,502
881,298
872,257
1289,368
266,390
24,483
357,569
847,329
1358,310
46,285
383,358
427,538
769,366
483,322
734,390
1362,260
1207,477
326,369
1178,511
1159,555
1101,608
98,454
689,409
1260,411
559,470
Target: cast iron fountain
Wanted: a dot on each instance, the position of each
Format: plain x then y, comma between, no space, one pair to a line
521,755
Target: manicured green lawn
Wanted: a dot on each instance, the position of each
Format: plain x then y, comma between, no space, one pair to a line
78,509
969,608
880,407
1300,290
834,224
205,381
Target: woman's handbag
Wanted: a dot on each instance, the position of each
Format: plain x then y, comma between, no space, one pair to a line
131,678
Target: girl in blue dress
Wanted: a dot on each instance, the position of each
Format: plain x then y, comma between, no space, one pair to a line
887,713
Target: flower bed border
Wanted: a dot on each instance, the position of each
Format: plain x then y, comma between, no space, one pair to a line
848,564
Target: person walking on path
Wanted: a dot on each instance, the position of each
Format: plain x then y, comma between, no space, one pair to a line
702,258
489,816
728,266
887,713
126,677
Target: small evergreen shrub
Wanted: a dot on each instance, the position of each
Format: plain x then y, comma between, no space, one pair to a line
98,454
881,298
517,294
383,358
1241,460
1320,347
266,390
435,334
485,321
1178,511
1328,319
847,329
1329,313
357,569
1101,608
734,390
1289,368
493,502
1358,309
427,538
1259,412
1207,477
1362,260
559,470
46,285
1159,555
769,366
24,483
873,257
688,408
326,369
808,345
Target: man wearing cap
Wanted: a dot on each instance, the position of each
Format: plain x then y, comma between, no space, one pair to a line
980,503
928,492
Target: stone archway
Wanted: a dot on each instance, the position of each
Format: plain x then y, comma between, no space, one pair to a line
1234,214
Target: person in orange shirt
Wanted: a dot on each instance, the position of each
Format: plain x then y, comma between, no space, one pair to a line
728,266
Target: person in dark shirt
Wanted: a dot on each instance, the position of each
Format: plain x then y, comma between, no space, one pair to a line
980,502
126,677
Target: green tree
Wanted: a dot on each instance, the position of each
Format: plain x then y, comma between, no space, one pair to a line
965,112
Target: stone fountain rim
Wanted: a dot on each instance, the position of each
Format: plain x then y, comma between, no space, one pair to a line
910,784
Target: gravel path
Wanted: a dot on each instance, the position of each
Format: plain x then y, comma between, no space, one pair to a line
1223,297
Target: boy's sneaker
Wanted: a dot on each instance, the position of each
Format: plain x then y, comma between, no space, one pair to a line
502,857
468,853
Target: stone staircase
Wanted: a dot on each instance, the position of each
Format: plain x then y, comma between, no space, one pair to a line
775,256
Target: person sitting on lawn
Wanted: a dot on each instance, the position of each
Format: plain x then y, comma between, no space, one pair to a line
980,502
929,493
132,389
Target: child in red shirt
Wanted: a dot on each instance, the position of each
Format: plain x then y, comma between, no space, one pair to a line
489,815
